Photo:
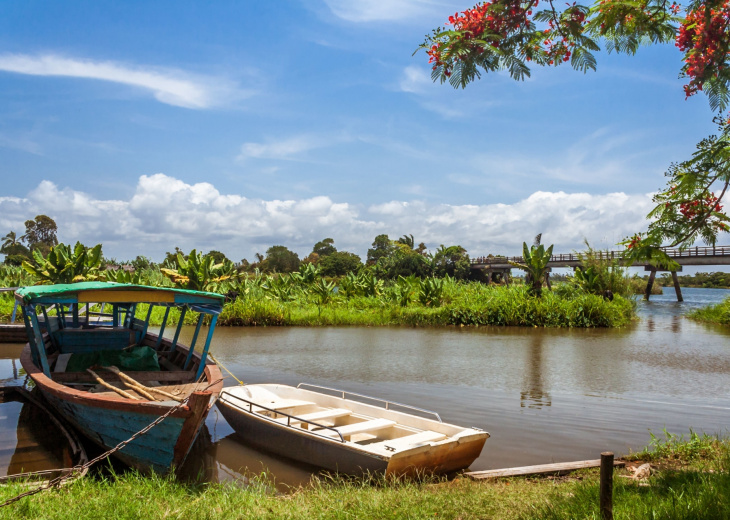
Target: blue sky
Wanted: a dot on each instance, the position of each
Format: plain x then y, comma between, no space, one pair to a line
240,125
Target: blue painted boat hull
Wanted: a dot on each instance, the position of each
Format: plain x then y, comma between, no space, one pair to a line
107,421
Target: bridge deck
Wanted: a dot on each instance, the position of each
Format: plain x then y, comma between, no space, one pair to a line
719,255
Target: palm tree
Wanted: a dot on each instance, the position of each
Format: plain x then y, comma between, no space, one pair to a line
535,264
10,240
407,240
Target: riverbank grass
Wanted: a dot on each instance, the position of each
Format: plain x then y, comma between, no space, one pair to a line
691,480
719,313
463,305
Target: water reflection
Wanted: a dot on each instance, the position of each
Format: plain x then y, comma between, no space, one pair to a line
534,394
29,442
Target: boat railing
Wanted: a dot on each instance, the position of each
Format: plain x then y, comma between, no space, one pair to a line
387,404
289,417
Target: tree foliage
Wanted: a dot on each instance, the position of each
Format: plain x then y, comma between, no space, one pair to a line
513,35
340,263
279,259
382,247
451,261
324,247
40,233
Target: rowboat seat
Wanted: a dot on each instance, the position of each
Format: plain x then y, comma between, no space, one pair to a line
282,404
322,415
409,441
361,427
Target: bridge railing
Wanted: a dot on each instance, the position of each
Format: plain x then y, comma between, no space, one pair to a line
610,255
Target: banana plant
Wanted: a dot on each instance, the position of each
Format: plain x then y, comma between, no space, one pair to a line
430,291
200,272
308,273
402,291
66,265
14,276
323,291
370,284
587,279
279,287
350,285
535,264
123,276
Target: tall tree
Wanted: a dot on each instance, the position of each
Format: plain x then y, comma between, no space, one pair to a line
9,240
453,261
40,234
324,247
382,247
512,35
340,263
280,259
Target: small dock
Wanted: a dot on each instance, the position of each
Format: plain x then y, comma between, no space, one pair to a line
13,333
559,468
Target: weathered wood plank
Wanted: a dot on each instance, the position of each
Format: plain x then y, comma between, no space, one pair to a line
13,333
560,467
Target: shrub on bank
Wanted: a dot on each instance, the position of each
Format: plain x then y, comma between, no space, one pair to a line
719,313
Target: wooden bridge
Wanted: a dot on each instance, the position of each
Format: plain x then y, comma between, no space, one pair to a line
719,255
496,268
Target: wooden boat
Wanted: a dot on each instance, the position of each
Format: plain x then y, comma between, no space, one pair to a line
37,436
68,331
339,433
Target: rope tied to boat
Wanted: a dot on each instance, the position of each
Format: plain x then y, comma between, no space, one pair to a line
58,481
210,355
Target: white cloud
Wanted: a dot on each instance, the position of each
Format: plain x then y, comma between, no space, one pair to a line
390,11
165,212
415,79
171,87
286,149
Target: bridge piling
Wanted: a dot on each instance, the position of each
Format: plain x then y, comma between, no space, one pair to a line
650,284
677,289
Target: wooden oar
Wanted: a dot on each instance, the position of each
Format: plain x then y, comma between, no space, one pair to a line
139,387
111,387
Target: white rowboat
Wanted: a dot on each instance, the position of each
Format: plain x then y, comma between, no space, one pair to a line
345,435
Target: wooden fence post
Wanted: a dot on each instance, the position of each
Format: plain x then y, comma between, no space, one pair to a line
606,500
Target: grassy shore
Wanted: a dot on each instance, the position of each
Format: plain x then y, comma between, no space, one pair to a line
719,313
691,480
460,304
502,306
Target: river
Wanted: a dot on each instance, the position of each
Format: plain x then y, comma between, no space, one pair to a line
545,395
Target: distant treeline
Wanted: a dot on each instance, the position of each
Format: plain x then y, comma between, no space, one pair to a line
715,280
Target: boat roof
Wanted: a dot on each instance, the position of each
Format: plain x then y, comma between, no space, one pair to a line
112,292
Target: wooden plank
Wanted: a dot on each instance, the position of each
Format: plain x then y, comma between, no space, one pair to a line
542,469
13,333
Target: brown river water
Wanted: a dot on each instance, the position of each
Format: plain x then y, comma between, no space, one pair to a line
544,395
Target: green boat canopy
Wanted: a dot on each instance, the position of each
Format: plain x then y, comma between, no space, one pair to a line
111,292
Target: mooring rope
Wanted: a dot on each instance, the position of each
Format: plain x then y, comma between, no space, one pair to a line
224,368
58,481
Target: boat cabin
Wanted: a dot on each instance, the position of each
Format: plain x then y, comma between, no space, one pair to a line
94,323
